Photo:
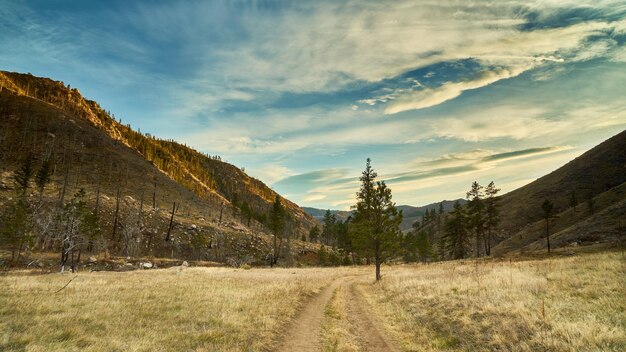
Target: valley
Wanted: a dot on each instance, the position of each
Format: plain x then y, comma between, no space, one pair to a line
306,176
573,299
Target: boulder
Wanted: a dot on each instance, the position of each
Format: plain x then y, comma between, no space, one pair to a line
185,263
92,260
146,265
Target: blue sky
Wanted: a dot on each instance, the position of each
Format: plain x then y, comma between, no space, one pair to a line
300,93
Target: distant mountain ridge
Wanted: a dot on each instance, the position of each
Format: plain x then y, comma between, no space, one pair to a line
411,213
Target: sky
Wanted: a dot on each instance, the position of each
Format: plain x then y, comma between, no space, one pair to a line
299,93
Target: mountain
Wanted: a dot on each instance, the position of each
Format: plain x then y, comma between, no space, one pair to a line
318,214
595,181
88,148
411,214
589,196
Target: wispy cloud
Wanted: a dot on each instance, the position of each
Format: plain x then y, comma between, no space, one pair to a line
288,88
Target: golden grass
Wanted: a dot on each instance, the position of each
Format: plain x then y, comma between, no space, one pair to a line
336,334
563,304
573,303
203,309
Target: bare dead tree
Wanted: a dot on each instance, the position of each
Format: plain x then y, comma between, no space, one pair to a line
117,210
154,193
171,225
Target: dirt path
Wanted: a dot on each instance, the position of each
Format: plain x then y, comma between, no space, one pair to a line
304,333
366,325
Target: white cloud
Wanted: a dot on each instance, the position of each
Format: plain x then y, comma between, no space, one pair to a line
430,97
271,173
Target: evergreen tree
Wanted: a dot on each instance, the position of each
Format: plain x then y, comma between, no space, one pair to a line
456,241
476,214
23,175
314,234
79,228
375,226
342,235
424,248
328,234
16,227
277,226
16,220
573,200
43,176
548,214
492,217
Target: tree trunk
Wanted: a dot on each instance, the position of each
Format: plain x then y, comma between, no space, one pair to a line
169,228
154,195
377,260
477,244
487,240
377,268
548,232
117,211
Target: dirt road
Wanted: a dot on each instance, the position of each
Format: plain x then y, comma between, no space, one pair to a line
305,333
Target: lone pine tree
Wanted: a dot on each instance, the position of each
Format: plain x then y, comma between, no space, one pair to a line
376,220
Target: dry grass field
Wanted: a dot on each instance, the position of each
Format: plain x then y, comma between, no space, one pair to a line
563,303
575,303
203,309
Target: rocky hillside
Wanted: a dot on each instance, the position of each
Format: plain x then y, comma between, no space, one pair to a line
116,165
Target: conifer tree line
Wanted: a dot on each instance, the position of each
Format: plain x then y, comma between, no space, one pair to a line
371,233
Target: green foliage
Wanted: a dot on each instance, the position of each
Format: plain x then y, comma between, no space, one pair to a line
375,228
573,200
16,226
79,226
456,241
549,213
329,232
492,215
322,256
476,214
277,218
43,175
314,234
23,174
417,247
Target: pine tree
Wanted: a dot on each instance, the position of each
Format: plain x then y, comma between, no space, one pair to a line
456,241
573,200
492,217
23,175
43,176
548,214
277,226
476,213
314,234
16,227
328,234
424,248
375,226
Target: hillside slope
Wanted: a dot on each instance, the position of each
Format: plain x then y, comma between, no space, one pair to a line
212,180
596,171
588,194
144,176
579,224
